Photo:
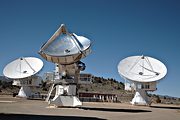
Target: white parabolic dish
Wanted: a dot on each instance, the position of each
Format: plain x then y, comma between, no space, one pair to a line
23,67
142,69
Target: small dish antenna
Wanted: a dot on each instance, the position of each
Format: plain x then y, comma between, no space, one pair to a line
22,71
141,74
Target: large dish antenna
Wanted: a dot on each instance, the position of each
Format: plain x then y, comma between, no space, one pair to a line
141,74
23,67
65,48
142,69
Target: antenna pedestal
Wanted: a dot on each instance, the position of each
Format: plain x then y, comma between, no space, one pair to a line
140,98
65,84
26,85
24,92
66,96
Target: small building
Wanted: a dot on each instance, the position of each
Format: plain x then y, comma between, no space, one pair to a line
86,78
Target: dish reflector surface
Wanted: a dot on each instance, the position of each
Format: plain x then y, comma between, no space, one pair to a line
67,45
65,48
23,67
142,69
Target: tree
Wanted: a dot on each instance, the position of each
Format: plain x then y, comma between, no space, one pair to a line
164,97
158,100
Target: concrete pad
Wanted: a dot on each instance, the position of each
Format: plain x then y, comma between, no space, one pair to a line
24,109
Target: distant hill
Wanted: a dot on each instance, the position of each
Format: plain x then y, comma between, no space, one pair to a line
102,85
3,78
98,85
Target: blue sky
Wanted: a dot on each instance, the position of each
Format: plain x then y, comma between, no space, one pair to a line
117,28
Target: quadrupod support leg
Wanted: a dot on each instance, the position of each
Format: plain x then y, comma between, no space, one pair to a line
65,96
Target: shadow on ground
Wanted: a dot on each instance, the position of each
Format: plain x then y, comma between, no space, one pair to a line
115,110
43,117
166,107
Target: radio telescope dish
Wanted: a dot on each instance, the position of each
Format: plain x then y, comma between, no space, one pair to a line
22,71
141,74
142,69
65,48
23,67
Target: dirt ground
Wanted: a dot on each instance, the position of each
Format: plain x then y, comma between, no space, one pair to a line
22,109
